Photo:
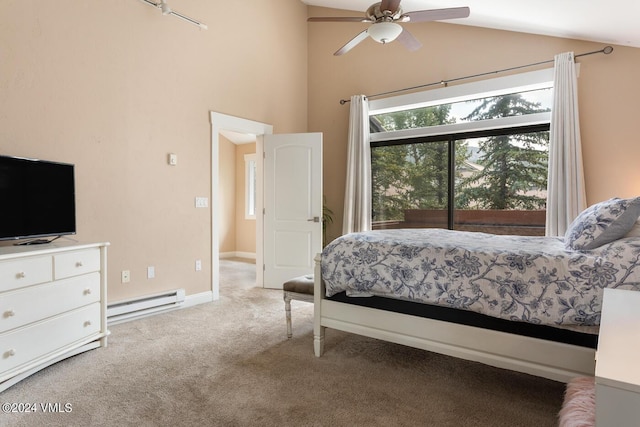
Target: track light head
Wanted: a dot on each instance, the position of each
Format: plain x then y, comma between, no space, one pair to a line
166,10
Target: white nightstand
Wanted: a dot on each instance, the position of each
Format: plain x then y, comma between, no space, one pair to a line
618,360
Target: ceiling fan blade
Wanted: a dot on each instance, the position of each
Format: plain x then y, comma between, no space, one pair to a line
338,19
352,43
435,14
408,40
390,5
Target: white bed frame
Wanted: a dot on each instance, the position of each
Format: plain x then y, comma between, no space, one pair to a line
548,359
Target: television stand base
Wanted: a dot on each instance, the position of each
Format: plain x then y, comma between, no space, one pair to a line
36,241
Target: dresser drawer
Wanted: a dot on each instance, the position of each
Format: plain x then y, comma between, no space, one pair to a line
37,340
23,306
18,273
75,263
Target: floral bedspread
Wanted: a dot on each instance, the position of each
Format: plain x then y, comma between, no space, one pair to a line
530,279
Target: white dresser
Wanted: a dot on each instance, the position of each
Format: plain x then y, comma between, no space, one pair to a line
52,305
617,364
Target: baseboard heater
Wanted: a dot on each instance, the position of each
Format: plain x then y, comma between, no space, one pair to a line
140,307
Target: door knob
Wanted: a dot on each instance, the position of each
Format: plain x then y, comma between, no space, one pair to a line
314,219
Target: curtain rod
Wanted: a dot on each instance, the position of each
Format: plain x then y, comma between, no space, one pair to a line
606,50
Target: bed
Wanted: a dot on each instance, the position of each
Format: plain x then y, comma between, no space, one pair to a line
530,304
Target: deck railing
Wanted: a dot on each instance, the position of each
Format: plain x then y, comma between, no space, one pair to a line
515,222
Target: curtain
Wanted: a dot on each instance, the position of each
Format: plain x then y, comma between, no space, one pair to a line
566,196
357,195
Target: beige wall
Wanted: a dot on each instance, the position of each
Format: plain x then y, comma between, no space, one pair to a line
227,195
608,91
245,228
237,234
114,86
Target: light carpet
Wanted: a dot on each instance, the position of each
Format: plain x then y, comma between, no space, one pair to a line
229,363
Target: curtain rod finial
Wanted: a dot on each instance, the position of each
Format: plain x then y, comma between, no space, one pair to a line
607,50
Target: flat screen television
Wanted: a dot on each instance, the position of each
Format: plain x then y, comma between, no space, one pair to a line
37,199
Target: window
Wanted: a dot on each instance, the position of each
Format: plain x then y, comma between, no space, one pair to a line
250,186
477,163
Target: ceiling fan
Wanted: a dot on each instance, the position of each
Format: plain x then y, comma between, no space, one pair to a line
384,17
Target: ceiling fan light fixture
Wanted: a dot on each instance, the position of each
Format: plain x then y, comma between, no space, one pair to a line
384,32
384,17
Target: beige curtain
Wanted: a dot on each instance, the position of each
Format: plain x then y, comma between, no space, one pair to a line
357,195
566,196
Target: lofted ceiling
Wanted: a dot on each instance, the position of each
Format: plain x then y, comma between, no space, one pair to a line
606,21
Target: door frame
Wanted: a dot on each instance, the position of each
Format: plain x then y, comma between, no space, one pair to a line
221,122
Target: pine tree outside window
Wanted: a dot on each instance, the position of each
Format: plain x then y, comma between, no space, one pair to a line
476,164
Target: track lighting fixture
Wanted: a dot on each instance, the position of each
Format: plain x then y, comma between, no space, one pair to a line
166,10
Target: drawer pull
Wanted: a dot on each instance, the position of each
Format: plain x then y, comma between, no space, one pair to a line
87,323
9,313
21,275
79,264
87,291
9,353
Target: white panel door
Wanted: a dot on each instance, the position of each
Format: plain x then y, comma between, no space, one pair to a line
292,205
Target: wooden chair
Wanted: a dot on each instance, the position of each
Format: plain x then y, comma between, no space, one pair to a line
299,288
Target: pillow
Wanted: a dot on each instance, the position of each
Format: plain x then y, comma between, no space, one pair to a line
602,223
635,230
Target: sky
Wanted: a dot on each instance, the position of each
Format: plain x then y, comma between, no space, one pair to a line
462,109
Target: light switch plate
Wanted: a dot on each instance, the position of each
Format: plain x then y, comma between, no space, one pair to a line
202,202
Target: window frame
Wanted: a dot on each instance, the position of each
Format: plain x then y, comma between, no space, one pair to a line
534,80
451,139
541,79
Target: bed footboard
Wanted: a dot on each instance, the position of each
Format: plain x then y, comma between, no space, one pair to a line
318,295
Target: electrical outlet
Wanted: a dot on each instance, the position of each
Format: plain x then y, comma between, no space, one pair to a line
198,265
126,276
151,272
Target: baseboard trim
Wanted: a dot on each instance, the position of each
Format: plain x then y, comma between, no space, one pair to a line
236,254
196,299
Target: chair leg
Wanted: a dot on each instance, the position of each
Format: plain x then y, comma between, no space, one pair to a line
287,309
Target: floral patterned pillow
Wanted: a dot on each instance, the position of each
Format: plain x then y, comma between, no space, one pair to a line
635,230
602,223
